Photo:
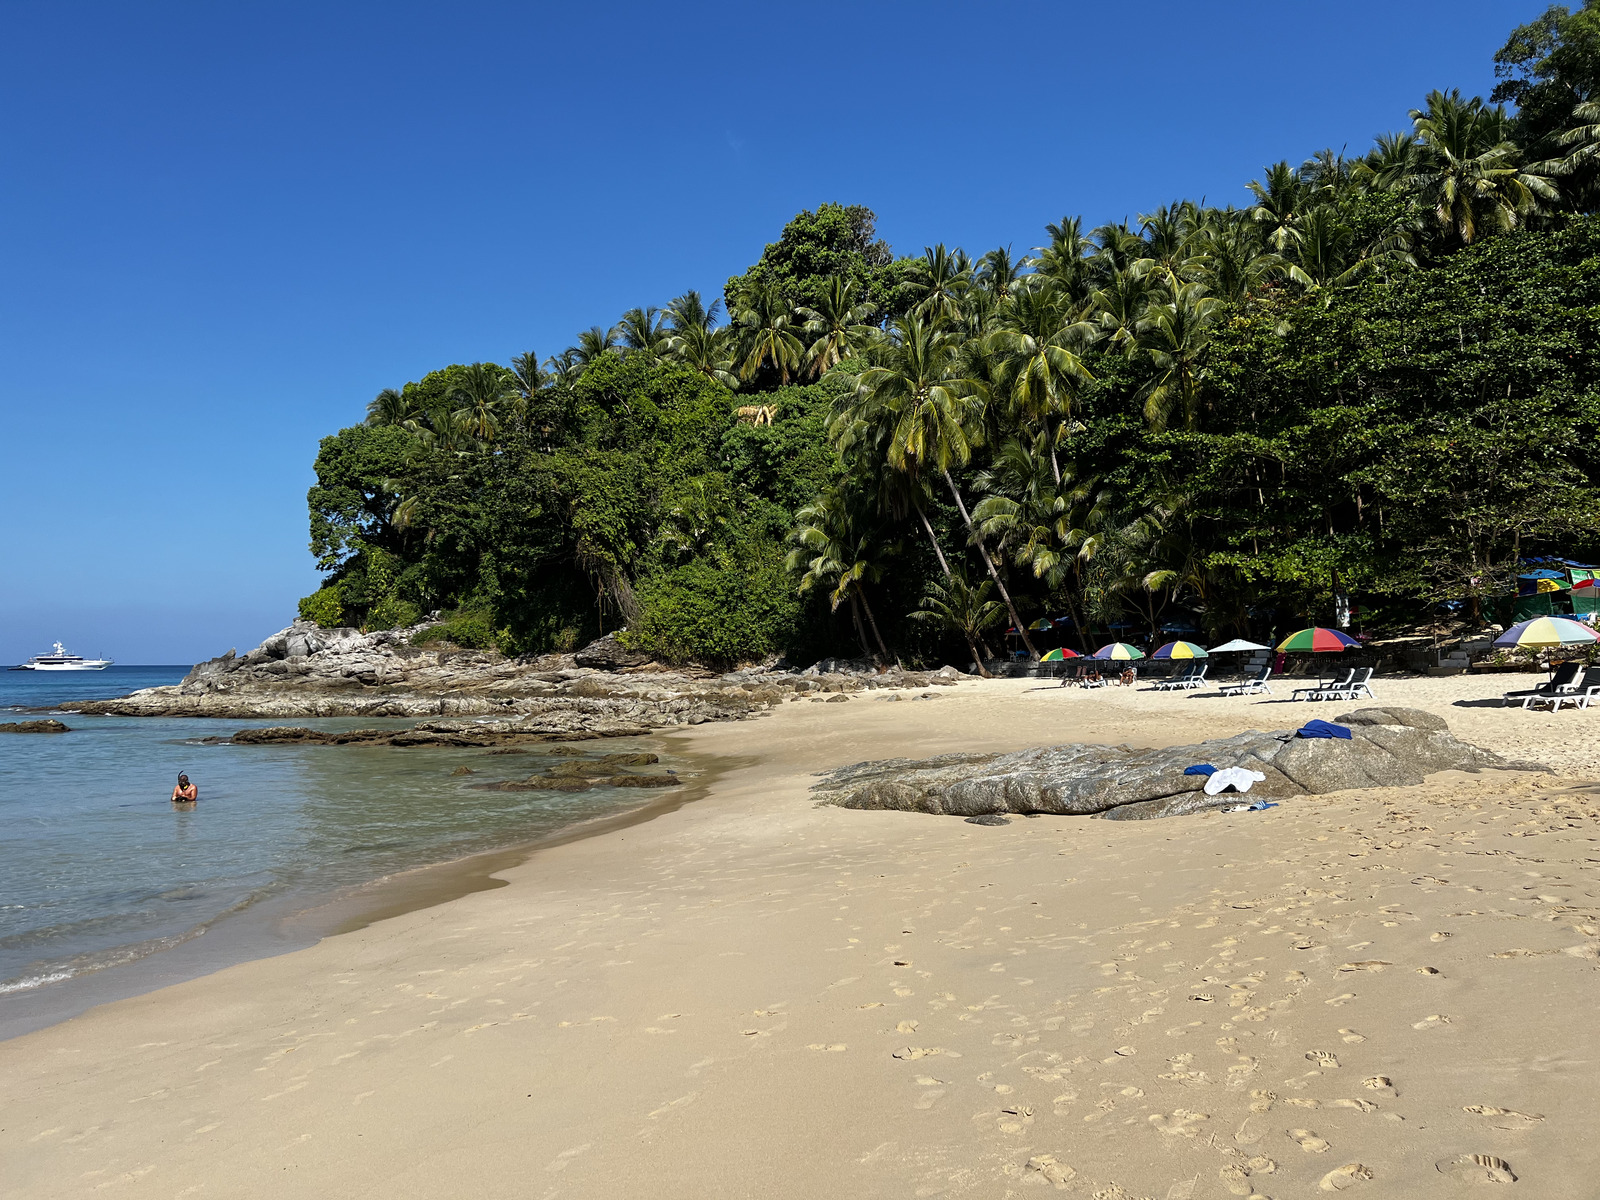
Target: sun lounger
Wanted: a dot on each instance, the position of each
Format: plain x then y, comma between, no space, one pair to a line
1358,685
1198,679
1250,687
1564,681
1579,695
1180,680
1322,689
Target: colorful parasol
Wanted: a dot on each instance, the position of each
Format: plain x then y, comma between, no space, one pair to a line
1543,632
1549,585
1041,623
1180,650
1058,655
1118,650
1317,640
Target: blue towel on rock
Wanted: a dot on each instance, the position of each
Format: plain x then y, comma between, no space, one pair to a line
1318,728
1200,769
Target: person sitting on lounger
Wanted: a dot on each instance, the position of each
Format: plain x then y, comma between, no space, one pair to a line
1128,676
185,792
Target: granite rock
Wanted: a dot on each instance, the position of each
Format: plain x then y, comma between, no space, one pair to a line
1389,747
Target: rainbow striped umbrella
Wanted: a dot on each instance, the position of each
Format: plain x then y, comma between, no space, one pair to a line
1317,640
1118,650
1542,632
1181,650
1058,655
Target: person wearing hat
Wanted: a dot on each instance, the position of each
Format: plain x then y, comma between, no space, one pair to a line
185,792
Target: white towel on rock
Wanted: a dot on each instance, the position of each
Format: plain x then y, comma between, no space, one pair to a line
1238,778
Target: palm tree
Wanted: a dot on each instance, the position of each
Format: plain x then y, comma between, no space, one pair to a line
566,366
696,341
1281,205
1065,261
766,334
389,407
941,281
997,274
642,331
921,408
1172,338
839,326
963,609
1053,525
1468,171
530,379
592,343
839,547
1037,345
1236,264
479,398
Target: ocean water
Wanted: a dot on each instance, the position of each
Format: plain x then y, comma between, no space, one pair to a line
99,872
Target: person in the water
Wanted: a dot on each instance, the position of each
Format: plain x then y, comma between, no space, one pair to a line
185,792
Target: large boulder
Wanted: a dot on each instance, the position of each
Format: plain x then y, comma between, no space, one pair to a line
609,654
1388,747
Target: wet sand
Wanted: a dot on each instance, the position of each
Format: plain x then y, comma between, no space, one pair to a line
1381,991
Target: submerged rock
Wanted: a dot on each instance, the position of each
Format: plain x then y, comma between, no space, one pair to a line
1389,747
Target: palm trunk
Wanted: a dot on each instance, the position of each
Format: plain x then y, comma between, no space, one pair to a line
861,634
943,566
977,540
873,621
978,658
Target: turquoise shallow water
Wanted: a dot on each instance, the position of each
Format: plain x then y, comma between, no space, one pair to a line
99,871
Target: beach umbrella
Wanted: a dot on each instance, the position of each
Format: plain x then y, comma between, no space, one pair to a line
1041,623
1118,650
1180,650
1317,640
1549,585
1238,644
1544,632
1058,655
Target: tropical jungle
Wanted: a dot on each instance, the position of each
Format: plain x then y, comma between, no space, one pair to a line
1374,383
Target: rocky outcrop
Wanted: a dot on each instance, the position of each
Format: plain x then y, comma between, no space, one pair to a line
608,654
35,727
1389,747
305,671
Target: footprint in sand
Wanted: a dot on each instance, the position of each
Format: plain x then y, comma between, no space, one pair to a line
1380,1083
1322,1058
834,1048
1431,1022
1505,1118
1235,1176
1052,1170
1351,1036
1309,1141
1476,1168
1181,1123
1343,1177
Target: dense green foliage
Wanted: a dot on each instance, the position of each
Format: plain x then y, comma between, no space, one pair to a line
1379,381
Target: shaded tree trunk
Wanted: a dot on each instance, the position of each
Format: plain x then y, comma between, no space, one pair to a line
943,566
861,634
983,551
873,621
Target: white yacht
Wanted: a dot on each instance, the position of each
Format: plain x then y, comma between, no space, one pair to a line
62,661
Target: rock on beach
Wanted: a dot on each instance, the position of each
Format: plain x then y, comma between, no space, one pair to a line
1388,747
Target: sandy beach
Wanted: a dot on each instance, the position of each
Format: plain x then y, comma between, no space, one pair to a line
1387,992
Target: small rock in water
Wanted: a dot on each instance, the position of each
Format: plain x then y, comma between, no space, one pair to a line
988,819
463,771
46,726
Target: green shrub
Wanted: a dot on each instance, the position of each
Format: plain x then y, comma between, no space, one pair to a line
717,614
325,606
392,613
472,630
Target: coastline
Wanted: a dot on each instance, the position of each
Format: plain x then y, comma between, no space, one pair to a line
681,1004
284,924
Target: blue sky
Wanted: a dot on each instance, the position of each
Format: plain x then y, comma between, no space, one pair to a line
224,227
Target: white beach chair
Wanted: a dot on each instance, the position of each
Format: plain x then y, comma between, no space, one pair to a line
1250,687
1562,683
1174,682
1322,689
1198,679
1359,684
